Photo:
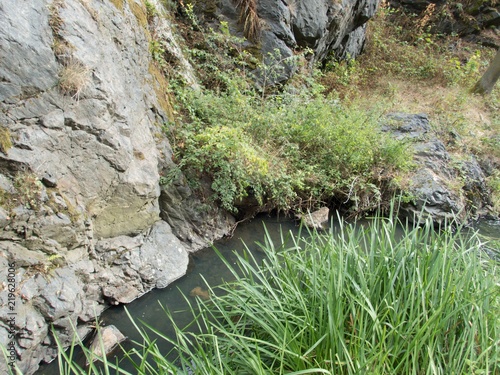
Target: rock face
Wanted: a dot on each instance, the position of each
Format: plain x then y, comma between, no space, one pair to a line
325,26
477,21
442,188
81,155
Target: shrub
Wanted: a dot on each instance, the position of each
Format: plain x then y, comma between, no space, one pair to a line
289,151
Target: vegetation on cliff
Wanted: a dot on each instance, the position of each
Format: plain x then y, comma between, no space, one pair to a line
316,140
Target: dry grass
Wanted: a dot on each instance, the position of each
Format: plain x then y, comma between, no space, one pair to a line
249,18
74,77
55,20
93,13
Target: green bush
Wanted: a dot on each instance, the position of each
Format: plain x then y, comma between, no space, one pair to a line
289,151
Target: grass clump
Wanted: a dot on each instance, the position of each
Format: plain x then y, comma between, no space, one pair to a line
364,301
27,191
357,303
74,77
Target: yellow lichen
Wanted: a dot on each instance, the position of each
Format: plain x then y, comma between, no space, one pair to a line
140,13
160,85
118,4
5,140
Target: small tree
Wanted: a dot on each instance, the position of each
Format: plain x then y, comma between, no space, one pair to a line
485,85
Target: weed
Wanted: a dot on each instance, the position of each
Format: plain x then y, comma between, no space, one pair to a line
249,18
287,151
119,4
28,189
494,184
55,20
139,10
151,11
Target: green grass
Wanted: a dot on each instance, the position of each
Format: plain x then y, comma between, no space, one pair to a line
363,301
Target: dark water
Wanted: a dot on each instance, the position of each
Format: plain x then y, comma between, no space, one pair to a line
207,268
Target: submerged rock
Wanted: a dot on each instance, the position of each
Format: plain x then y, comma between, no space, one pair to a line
201,293
317,219
107,339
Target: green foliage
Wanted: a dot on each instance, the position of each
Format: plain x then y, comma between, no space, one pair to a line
373,300
494,185
151,11
402,45
28,189
290,151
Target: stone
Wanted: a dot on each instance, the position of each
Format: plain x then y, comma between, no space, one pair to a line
329,28
317,219
404,125
442,191
162,259
106,340
121,294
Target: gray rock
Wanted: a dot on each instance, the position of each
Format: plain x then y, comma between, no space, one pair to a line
162,259
327,27
435,199
442,190
125,293
96,235
61,296
317,219
404,125
106,340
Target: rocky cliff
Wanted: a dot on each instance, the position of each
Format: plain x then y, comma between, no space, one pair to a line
475,20
80,164
330,29
84,219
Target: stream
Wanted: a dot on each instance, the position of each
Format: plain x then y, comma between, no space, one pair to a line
205,265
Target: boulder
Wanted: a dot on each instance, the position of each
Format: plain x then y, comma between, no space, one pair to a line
441,190
106,340
80,165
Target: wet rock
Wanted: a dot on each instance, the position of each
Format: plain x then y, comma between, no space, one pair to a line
317,219
162,259
106,340
196,225
121,294
200,292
